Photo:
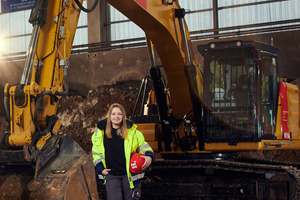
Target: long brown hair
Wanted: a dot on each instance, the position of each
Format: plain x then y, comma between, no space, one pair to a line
123,129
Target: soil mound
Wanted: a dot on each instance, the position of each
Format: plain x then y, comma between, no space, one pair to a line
79,114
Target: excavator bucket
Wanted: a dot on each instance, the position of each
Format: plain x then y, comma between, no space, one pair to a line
69,175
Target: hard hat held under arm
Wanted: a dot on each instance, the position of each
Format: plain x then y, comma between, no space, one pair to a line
139,145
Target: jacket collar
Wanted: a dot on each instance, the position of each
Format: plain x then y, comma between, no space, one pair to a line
102,124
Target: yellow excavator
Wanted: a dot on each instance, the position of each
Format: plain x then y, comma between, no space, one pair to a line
196,123
37,163
202,117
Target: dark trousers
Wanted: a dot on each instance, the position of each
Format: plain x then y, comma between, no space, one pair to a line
117,188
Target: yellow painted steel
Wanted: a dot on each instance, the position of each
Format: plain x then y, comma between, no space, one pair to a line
22,125
252,146
42,141
159,23
153,135
47,74
56,127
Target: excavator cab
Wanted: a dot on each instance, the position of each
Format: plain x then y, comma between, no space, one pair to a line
241,88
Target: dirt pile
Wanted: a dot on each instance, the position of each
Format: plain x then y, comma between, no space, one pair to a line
79,114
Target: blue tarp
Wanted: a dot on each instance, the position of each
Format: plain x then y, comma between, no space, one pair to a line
8,6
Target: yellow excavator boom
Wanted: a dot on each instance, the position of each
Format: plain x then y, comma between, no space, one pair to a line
53,166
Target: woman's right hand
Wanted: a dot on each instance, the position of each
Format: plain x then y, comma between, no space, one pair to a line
105,171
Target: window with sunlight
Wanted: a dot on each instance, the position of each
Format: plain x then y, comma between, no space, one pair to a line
16,32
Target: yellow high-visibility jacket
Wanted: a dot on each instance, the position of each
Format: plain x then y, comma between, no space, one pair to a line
134,143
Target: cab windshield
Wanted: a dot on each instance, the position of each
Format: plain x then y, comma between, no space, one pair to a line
241,97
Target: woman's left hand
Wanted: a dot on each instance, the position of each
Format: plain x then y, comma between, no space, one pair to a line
148,161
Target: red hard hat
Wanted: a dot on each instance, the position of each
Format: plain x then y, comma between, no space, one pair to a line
136,162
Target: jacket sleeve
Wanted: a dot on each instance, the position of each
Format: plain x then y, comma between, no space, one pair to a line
96,152
143,146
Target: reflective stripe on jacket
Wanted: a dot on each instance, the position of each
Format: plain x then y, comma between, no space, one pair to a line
134,143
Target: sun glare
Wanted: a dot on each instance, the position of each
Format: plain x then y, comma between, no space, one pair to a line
2,46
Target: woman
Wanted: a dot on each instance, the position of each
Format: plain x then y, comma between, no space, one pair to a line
113,143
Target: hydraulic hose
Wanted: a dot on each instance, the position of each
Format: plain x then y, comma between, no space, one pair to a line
6,103
66,86
6,108
85,9
38,103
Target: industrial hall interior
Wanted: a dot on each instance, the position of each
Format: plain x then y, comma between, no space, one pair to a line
206,92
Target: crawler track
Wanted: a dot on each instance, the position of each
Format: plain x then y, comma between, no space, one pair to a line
220,180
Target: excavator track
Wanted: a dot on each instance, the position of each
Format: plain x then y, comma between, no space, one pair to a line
205,179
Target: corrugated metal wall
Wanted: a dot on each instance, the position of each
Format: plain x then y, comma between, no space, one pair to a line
231,13
265,12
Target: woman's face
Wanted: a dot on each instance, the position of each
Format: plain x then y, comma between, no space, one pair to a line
116,117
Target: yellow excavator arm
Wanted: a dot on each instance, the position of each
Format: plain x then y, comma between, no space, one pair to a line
33,138
164,25
43,82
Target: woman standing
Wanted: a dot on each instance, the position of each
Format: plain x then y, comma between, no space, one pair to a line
113,143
